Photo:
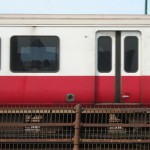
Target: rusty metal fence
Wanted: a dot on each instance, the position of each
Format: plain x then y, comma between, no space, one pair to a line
100,127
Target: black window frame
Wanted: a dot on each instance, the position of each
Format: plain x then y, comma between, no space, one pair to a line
128,60
99,67
57,54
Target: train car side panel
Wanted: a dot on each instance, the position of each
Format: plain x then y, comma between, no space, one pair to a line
46,90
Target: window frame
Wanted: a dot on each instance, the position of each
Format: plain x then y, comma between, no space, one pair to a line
137,54
30,71
111,42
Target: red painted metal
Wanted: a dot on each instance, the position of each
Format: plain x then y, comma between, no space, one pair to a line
145,89
87,89
46,89
131,89
105,89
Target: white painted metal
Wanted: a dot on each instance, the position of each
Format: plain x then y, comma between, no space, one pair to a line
77,39
77,52
94,20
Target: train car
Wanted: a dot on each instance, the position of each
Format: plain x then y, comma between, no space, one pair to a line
101,61
74,59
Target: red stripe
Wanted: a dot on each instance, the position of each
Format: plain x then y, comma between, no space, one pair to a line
105,89
131,86
32,90
145,89
87,89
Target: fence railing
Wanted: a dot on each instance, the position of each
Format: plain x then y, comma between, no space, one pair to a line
99,127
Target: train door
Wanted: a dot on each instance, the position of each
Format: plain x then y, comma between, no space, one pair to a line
118,67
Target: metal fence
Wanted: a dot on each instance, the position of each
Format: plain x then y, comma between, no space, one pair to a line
99,127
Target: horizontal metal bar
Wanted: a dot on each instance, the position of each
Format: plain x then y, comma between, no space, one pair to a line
50,149
46,149
71,109
115,110
35,108
111,148
115,125
36,111
80,149
36,124
36,140
124,141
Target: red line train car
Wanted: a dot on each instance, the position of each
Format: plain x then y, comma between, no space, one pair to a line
75,59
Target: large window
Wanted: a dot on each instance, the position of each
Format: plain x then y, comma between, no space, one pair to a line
34,54
104,54
131,54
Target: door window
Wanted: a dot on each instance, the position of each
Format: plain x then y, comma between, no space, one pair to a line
131,54
104,54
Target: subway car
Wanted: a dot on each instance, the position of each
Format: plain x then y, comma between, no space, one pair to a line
78,82
74,59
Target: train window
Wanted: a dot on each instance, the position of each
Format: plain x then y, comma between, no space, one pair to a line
131,54
34,54
104,54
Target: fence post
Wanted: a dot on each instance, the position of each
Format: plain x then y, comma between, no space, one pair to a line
77,127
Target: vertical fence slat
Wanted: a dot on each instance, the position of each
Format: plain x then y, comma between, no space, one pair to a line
77,127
